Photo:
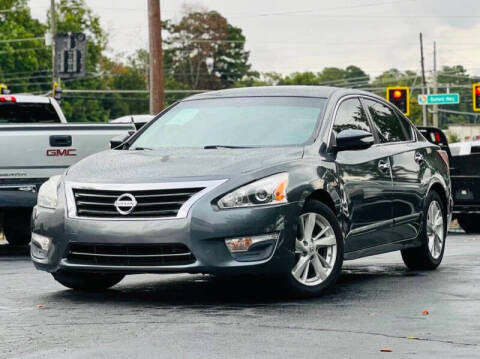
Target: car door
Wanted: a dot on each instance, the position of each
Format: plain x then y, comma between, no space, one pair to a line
407,160
365,183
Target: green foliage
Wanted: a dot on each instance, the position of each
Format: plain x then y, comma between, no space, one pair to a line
199,37
22,64
453,137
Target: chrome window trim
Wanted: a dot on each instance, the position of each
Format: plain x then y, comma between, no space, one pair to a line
71,210
362,96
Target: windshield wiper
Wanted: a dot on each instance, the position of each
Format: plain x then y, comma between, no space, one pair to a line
142,149
214,147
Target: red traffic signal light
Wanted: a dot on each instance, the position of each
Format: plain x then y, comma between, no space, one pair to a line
476,97
397,94
400,97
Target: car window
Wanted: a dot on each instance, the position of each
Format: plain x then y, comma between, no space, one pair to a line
28,113
389,127
351,115
407,126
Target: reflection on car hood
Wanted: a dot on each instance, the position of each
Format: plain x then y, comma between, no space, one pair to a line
169,164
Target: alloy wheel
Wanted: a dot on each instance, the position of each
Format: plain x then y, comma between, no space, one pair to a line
315,250
435,229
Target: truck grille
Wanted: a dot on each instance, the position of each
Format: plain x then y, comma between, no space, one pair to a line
156,203
167,254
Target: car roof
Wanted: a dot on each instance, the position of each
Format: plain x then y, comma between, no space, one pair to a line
293,91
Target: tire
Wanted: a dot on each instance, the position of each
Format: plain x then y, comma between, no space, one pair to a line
470,223
422,258
307,282
90,282
16,226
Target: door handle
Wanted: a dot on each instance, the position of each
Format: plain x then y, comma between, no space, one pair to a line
418,157
60,141
383,166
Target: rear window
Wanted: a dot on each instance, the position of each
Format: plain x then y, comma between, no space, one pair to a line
28,113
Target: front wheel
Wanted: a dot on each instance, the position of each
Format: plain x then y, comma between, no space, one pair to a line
91,282
433,234
319,251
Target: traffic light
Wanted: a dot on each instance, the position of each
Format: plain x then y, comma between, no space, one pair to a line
4,89
400,97
476,97
57,92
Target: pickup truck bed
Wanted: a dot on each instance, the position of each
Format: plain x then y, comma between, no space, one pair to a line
31,154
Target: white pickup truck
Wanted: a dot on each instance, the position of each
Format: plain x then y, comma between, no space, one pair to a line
36,143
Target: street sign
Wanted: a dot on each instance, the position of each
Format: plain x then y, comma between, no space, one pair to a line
70,55
439,99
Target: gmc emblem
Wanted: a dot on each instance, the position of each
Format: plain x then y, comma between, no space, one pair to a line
67,152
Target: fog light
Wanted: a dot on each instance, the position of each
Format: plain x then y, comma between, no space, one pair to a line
243,244
40,246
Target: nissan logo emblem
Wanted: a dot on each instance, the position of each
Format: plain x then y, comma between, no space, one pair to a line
125,204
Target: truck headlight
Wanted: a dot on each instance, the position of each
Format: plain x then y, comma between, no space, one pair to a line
47,195
267,191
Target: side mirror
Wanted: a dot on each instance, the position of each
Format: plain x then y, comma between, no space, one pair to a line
117,141
350,139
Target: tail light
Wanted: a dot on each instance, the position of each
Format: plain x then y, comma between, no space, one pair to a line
8,99
444,156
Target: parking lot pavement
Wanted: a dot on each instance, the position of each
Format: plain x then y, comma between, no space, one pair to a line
376,305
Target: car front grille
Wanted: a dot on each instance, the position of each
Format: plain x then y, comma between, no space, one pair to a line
157,203
167,254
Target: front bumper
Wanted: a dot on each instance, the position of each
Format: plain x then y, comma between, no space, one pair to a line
203,231
21,196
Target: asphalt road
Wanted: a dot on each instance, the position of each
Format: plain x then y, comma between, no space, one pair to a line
376,305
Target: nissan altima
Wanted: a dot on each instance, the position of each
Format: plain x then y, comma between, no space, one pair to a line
284,181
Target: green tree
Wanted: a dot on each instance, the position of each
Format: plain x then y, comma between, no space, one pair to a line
200,37
24,65
459,81
395,77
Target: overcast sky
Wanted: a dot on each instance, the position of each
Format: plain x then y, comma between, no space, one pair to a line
301,35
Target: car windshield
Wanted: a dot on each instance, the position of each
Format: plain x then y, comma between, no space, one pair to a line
235,122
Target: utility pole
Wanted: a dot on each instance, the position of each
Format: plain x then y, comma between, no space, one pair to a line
435,84
156,57
53,31
424,82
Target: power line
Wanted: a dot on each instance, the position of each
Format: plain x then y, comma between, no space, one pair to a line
23,50
315,11
22,39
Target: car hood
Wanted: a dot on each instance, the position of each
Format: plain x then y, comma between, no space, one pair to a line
171,164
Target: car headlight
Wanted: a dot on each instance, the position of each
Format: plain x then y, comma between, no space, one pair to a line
267,191
47,195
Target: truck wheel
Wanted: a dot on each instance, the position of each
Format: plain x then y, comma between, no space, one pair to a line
90,282
16,226
433,235
470,223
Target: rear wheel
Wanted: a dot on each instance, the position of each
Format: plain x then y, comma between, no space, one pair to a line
16,226
470,223
433,234
318,251
91,282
